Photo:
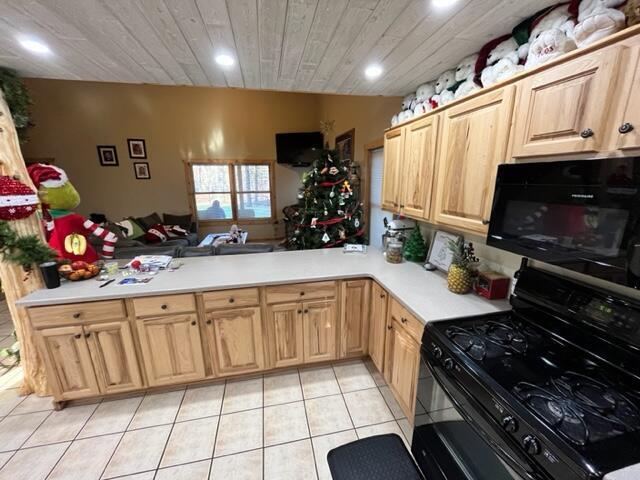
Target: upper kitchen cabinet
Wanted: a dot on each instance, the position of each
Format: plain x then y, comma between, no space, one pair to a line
474,139
418,169
393,155
565,109
626,130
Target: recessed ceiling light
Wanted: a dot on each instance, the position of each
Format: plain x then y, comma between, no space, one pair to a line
373,71
224,60
35,46
443,3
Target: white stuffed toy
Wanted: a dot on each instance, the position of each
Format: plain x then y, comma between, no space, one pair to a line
443,85
421,109
598,19
465,74
426,91
408,101
557,28
405,115
394,120
503,62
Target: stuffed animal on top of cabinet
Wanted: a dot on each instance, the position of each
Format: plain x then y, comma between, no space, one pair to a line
598,19
502,62
632,12
394,120
551,34
423,97
465,75
445,86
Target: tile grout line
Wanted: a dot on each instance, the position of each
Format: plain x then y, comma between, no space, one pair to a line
263,450
215,437
313,450
184,392
343,400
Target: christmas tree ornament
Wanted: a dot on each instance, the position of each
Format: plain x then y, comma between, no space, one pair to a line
300,196
356,223
17,200
324,170
415,249
333,192
326,237
333,171
314,221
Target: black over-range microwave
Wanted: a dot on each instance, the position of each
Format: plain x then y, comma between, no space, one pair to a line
581,215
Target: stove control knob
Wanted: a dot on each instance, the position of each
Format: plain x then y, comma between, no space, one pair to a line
437,352
531,444
510,424
448,364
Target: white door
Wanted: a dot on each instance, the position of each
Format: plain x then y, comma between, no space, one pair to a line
376,227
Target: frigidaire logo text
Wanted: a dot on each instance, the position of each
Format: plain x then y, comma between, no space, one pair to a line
582,195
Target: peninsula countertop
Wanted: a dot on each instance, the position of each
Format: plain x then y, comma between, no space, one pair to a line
424,293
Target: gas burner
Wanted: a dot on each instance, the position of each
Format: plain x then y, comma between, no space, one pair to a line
580,408
507,335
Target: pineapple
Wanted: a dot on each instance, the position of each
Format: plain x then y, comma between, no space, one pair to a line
461,271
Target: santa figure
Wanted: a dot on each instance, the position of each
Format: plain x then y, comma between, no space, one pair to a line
67,231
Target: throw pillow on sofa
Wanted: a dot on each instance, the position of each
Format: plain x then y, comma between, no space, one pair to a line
149,221
156,234
131,229
183,221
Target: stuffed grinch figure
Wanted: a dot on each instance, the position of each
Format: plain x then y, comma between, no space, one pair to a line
67,231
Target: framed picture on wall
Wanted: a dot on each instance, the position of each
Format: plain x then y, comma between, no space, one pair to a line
137,148
345,144
439,253
108,155
141,170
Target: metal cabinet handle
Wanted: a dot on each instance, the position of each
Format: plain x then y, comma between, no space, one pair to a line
77,336
87,335
306,310
193,323
389,327
626,127
382,295
485,221
76,315
586,133
231,300
208,322
164,306
302,294
299,311
403,320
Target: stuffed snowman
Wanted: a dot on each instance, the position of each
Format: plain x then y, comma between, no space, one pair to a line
394,120
551,35
465,76
423,97
598,19
502,62
444,88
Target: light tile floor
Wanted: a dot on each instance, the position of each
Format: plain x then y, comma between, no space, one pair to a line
273,427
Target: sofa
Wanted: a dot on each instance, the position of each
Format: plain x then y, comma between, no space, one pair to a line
181,251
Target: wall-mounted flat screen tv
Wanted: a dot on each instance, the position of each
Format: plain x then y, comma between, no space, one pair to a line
298,149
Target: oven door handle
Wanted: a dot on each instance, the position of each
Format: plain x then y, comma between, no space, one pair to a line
512,462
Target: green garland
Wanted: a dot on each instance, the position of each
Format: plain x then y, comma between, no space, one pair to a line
18,99
24,251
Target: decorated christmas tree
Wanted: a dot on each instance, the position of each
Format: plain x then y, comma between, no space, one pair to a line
415,250
329,212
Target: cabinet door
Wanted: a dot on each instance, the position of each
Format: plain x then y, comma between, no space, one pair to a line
171,349
320,321
564,110
627,128
418,167
354,318
235,340
474,142
378,325
393,152
402,365
114,356
286,345
68,362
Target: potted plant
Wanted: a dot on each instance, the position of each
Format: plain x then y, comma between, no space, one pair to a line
463,265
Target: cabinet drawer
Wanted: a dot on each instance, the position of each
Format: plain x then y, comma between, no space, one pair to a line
241,297
411,324
301,291
43,317
149,306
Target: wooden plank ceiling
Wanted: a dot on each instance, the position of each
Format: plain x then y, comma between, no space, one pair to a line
289,45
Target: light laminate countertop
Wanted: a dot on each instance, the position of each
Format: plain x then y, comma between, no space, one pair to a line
424,293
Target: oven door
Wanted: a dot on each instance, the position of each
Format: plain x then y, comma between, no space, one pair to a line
464,444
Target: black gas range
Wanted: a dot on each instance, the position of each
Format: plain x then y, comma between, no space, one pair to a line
552,386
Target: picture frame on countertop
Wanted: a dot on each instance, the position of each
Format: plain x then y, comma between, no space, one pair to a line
439,253
142,171
108,155
137,148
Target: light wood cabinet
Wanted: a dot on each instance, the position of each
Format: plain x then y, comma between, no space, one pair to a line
285,333
235,340
418,168
319,322
171,349
378,325
354,317
474,141
393,155
626,128
565,109
68,362
114,356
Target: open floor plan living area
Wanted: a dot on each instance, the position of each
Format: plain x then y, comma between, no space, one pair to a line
319,240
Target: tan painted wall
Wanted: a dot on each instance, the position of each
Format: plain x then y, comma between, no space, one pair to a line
178,122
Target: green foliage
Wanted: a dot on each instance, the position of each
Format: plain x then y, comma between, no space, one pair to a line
18,99
329,212
24,251
415,249
463,254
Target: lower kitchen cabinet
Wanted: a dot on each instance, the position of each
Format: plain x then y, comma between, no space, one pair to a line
114,356
285,334
68,361
378,324
319,322
235,340
354,318
171,349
